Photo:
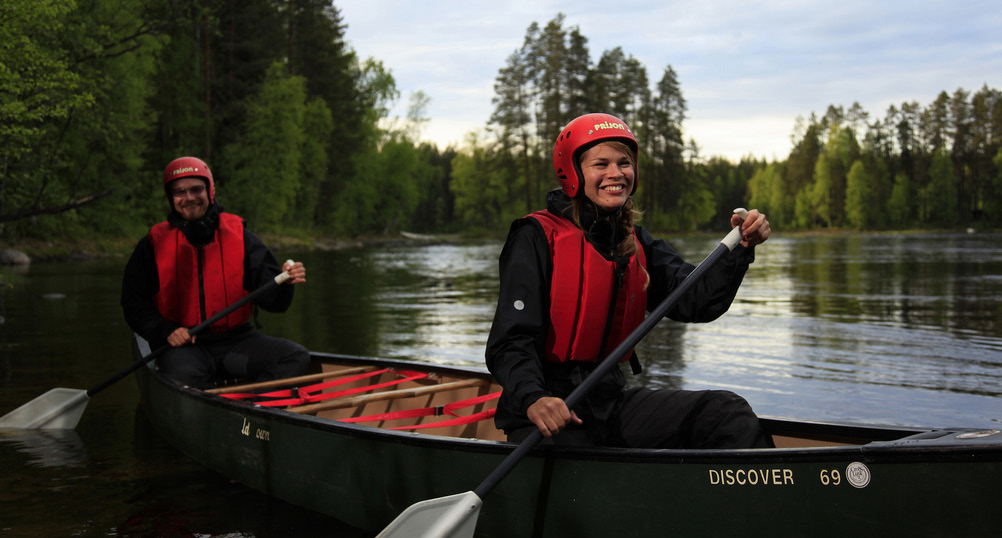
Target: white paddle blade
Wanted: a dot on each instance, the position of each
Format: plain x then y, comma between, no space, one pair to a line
58,409
454,516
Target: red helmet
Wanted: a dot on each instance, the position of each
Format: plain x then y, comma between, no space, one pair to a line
582,133
189,167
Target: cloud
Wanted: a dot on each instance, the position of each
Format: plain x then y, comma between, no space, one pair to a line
747,70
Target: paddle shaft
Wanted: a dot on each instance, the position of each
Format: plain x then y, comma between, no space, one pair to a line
281,278
613,359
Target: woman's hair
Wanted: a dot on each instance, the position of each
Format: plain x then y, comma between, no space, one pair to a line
626,218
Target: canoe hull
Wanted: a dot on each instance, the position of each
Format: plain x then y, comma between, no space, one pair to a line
366,476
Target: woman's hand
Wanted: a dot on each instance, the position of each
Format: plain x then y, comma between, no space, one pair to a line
755,228
550,415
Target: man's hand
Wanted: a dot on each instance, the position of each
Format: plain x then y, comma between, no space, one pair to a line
296,270
180,337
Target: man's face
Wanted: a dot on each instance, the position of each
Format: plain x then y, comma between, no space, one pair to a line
190,196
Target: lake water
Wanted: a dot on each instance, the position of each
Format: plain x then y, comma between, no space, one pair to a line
892,329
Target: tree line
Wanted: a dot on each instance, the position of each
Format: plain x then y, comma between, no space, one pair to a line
938,166
935,166
97,96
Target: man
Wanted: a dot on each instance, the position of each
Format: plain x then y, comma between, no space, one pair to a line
192,266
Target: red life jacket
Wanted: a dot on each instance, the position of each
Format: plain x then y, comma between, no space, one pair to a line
213,273
581,290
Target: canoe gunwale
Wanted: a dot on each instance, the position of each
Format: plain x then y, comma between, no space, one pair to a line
878,443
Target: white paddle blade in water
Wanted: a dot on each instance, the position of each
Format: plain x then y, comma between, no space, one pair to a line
454,516
58,409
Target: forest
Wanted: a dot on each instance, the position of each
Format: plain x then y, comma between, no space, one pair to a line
96,96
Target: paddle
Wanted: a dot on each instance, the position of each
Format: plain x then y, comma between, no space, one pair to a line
455,516
61,408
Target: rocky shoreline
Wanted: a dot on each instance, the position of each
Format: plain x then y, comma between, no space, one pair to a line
9,256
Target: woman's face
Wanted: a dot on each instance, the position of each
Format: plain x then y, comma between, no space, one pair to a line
608,176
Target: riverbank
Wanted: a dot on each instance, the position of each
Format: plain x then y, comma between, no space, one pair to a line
110,247
76,249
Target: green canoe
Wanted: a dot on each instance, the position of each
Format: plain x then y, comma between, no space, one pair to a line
824,479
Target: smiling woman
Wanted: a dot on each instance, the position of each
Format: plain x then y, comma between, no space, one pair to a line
576,281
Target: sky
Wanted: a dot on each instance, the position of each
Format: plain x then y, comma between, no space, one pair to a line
746,69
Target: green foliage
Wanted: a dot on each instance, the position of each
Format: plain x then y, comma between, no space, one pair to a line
37,83
942,190
264,162
820,194
899,206
696,206
993,201
318,124
767,192
480,188
73,114
878,192
355,205
857,197
803,212
392,172
434,211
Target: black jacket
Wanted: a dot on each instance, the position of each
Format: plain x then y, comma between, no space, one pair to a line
518,336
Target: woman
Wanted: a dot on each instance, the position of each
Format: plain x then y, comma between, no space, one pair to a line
576,279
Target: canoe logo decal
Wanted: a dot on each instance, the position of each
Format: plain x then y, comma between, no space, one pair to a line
858,474
751,477
245,429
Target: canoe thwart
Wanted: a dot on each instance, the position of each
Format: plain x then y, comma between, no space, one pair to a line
290,381
357,401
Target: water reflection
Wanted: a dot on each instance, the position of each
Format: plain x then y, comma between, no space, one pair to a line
424,302
889,328
436,301
47,448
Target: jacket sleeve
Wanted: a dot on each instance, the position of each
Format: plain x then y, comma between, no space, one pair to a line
260,267
518,333
139,284
710,298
